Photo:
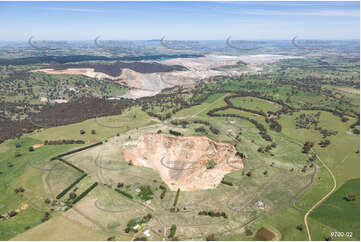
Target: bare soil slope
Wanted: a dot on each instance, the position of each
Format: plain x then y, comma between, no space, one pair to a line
182,161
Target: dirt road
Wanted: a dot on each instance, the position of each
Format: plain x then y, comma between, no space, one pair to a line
322,199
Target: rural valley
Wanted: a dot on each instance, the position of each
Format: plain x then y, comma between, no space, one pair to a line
167,140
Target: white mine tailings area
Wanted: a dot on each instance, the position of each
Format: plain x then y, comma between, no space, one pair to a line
182,161
150,84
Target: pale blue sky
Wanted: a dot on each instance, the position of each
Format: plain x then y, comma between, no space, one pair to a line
179,20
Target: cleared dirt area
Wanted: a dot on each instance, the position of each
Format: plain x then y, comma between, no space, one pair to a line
209,61
89,72
37,146
265,234
349,90
182,161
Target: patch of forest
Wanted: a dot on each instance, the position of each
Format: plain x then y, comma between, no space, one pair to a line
115,69
62,114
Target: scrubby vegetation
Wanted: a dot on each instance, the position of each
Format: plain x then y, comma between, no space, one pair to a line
172,231
211,164
164,191
146,193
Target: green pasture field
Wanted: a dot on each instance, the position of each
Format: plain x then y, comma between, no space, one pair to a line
255,104
104,127
189,224
282,178
23,174
336,208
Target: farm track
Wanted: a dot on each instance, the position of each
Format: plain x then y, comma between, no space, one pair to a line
100,226
101,178
322,199
303,191
202,110
196,114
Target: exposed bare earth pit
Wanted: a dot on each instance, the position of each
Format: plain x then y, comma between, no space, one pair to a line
150,84
182,161
89,72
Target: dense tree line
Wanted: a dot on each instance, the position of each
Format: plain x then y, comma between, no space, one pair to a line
62,142
213,214
259,126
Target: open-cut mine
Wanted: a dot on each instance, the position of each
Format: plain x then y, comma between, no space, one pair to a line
183,161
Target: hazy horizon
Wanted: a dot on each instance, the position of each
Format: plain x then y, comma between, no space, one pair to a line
75,21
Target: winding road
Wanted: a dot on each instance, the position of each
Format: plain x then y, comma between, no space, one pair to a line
322,199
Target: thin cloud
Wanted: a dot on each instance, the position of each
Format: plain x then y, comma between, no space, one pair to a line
82,10
339,13
292,3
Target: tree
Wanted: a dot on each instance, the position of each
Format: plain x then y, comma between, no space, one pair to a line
20,189
211,237
31,148
12,213
356,131
93,131
242,155
140,238
173,229
82,132
72,195
248,232
307,147
300,227
200,130
350,197
211,164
